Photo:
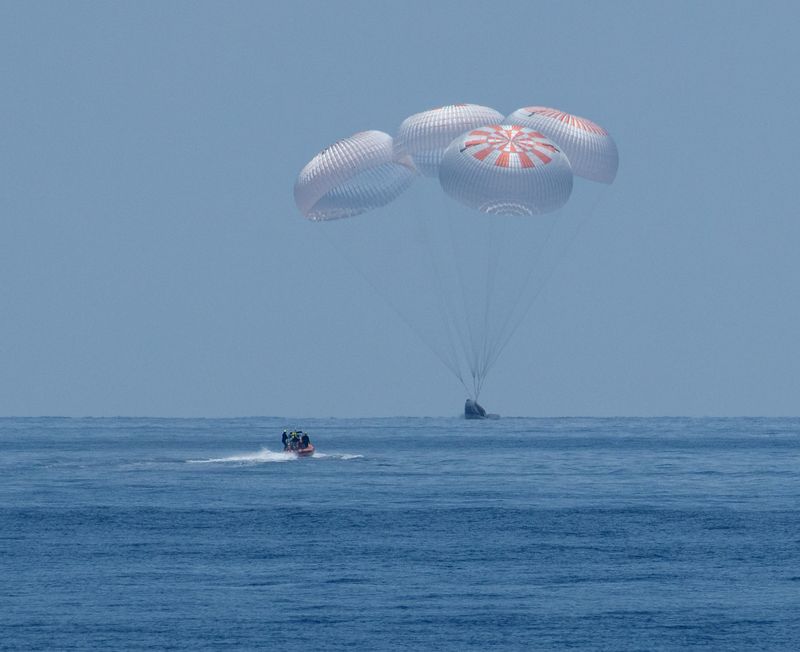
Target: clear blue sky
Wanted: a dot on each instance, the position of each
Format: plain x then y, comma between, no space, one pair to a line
152,261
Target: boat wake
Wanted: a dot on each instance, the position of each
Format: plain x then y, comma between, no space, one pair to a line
265,455
338,456
261,457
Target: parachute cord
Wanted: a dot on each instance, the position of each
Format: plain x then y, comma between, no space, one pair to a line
548,275
449,320
469,350
454,369
492,335
492,260
447,310
498,339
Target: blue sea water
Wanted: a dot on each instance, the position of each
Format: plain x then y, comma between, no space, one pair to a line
421,534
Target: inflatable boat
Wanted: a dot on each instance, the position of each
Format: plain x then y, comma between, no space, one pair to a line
308,451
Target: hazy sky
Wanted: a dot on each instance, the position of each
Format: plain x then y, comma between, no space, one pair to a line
152,261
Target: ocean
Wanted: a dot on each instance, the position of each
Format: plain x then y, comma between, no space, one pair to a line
400,534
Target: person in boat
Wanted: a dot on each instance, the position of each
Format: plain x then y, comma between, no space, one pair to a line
294,440
285,439
304,440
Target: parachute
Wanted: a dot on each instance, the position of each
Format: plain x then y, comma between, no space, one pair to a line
352,176
590,149
462,260
425,136
506,170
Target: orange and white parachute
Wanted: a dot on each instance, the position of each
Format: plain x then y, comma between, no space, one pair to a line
506,170
591,151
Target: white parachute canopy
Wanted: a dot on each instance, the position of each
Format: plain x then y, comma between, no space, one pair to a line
590,149
425,136
352,176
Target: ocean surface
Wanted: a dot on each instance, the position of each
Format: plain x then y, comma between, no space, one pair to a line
400,534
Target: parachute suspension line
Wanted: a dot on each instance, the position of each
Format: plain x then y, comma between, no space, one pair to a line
502,225
451,301
448,364
513,315
493,242
448,319
492,260
581,222
492,257
447,302
468,343
500,236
